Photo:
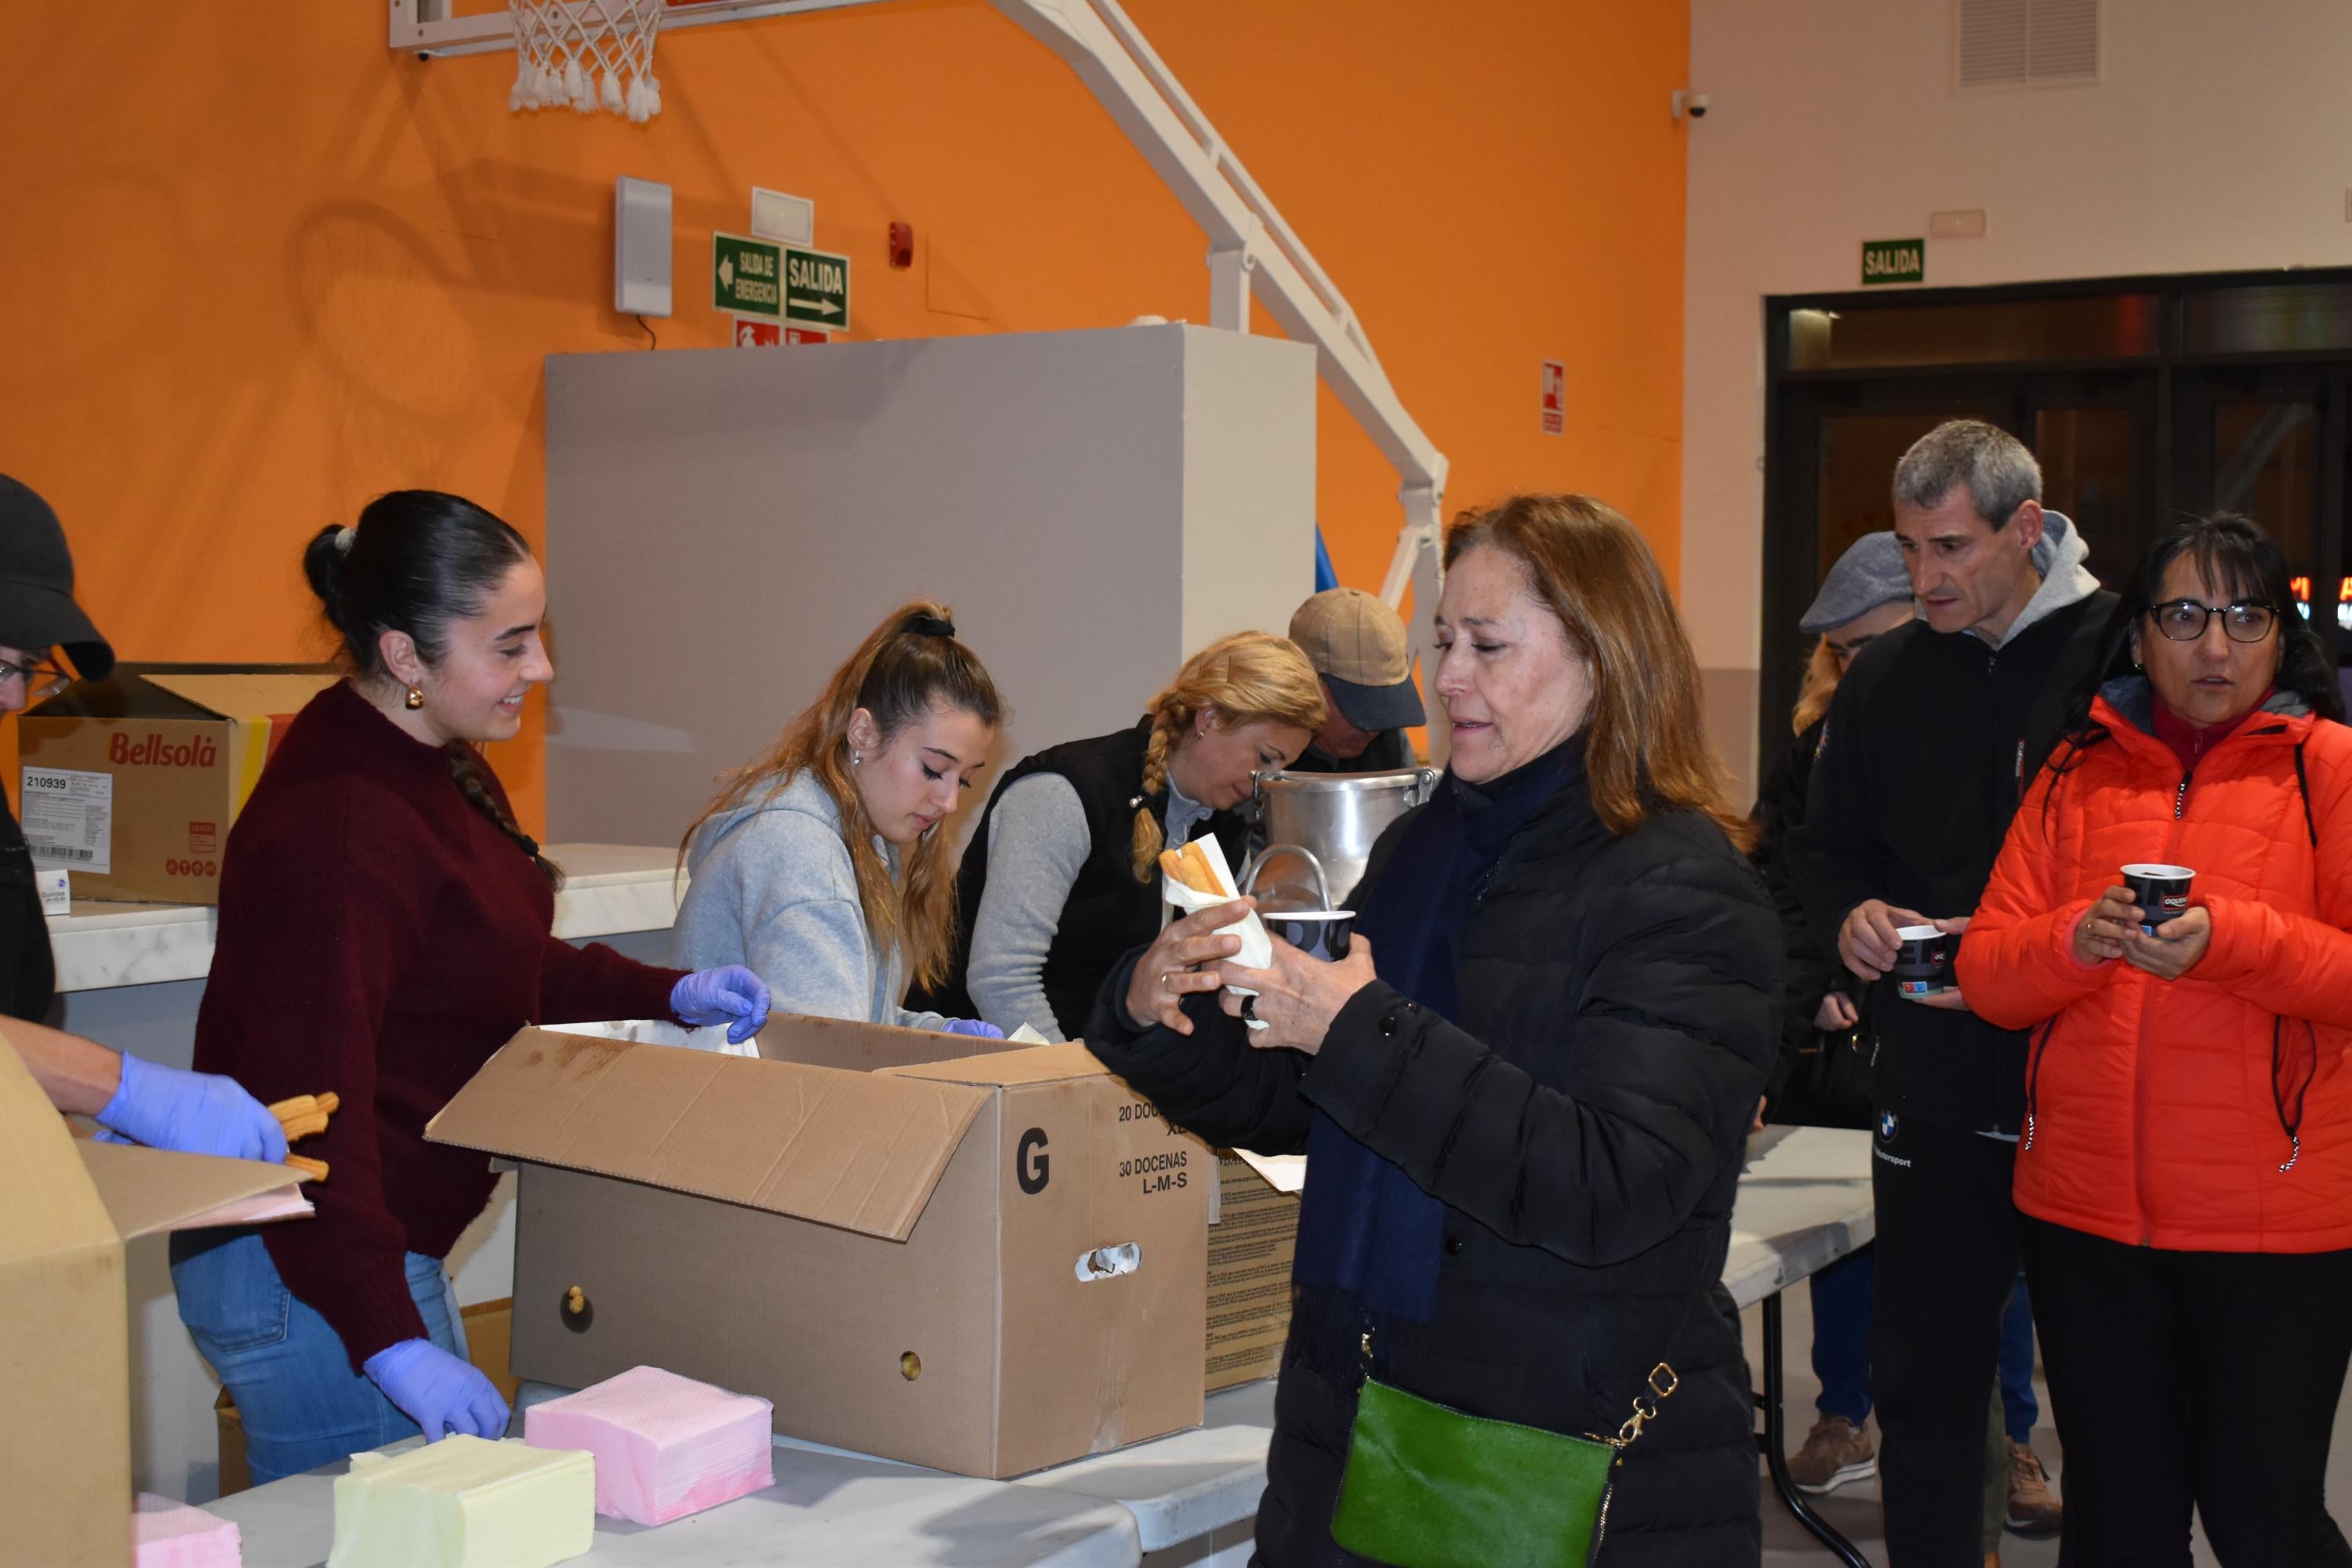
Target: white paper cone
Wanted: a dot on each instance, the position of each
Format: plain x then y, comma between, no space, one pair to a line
1257,948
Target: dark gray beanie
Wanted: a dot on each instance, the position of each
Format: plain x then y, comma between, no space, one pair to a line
1870,574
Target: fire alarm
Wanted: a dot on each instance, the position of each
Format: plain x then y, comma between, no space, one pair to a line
902,245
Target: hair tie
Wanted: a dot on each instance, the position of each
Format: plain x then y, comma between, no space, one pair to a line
345,537
926,626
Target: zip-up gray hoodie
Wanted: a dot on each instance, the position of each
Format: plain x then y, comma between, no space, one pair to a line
774,891
2064,579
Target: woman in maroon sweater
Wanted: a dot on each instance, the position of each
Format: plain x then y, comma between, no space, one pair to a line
384,927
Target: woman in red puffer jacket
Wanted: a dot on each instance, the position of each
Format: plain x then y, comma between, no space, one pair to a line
2186,1175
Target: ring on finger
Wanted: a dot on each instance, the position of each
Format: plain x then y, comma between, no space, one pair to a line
1164,985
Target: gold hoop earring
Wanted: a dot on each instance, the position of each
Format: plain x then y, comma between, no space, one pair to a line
415,698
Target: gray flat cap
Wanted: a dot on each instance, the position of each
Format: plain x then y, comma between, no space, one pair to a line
1870,574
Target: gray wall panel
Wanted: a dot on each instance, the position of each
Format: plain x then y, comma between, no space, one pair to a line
723,525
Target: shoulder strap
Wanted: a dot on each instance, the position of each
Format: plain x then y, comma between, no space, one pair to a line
1660,1383
2303,787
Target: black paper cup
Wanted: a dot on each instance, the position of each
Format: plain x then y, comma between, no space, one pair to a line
1318,934
2160,892
1923,964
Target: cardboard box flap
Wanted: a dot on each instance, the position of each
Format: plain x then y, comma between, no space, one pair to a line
1034,1064
860,1150
51,1207
250,694
147,690
149,1192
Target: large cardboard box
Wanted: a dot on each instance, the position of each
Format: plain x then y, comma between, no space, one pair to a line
937,1250
65,1353
130,783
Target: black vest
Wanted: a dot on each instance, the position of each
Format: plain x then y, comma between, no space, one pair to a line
28,973
1108,913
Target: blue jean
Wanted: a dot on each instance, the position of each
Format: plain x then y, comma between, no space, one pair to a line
1841,1296
2019,1409
302,1404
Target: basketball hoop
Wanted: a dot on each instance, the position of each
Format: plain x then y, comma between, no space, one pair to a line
585,53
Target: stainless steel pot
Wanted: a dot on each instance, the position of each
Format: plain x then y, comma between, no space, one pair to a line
1337,817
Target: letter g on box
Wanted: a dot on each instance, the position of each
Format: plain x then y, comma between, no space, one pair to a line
1031,1165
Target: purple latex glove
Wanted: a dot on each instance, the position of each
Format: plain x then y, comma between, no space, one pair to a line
439,1392
732,996
194,1112
979,1028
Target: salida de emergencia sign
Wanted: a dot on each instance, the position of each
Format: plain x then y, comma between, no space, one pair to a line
746,275
779,283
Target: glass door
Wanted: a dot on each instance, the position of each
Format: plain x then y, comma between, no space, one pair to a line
2269,441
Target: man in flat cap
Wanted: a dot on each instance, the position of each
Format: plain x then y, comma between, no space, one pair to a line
197,1113
1358,646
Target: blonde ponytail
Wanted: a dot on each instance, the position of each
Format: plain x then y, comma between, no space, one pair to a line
1246,678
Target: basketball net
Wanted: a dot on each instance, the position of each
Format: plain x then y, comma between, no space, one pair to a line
586,53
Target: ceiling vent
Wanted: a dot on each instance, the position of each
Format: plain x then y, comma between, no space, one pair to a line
2028,43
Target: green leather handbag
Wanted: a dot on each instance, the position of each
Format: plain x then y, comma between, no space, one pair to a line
1429,1487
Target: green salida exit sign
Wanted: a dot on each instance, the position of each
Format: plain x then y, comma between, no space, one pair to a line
1894,262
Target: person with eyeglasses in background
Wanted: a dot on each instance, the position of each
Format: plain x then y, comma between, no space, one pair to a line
137,1100
2185,1183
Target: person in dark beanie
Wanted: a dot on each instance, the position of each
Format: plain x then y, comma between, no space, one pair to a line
1931,741
198,1113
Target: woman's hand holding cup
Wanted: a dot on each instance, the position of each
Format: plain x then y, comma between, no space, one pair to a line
2099,934
2179,944
1170,969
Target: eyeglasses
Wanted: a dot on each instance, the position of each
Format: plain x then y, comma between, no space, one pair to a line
2184,620
41,680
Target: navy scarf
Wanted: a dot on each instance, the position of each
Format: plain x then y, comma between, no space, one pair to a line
1366,1227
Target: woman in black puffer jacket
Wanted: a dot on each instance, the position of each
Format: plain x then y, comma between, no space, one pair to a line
1525,1091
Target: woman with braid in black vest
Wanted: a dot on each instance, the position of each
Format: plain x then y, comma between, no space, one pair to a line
384,927
1062,879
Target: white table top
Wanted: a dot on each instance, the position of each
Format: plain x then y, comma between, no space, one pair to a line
1804,1203
607,888
838,1510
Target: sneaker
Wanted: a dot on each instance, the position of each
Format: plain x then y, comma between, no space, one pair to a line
1835,1452
2033,1514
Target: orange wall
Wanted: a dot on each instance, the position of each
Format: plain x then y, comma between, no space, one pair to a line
260,268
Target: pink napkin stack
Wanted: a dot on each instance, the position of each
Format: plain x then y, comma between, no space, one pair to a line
666,1446
170,1534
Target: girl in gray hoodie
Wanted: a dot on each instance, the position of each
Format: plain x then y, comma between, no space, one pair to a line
822,866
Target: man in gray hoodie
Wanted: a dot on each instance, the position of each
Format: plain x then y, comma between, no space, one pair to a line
1934,735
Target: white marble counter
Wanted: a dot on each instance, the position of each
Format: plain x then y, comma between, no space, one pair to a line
608,888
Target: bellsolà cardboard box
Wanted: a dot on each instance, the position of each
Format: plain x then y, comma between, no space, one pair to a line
130,783
64,1356
935,1249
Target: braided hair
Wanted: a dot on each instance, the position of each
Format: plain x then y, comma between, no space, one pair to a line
416,561
1247,678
